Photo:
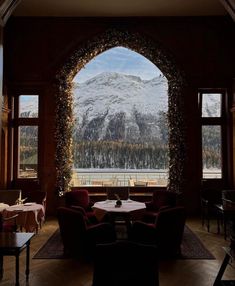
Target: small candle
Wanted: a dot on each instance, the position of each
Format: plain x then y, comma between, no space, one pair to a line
20,196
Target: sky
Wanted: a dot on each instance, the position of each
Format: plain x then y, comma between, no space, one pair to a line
121,60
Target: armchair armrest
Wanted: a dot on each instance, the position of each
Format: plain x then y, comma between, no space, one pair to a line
143,233
10,218
164,207
101,233
150,206
80,209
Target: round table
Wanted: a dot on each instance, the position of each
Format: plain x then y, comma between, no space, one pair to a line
29,217
128,211
3,206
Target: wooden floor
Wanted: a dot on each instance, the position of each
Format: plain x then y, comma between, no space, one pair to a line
71,273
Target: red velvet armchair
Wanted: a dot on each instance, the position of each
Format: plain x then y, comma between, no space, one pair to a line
79,199
125,263
160,200
79,238
166,233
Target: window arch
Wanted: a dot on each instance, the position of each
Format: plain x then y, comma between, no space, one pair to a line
120,121
64,118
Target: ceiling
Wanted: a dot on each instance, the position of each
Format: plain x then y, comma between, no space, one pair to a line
119,8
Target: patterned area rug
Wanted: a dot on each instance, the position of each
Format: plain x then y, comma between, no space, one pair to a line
191,248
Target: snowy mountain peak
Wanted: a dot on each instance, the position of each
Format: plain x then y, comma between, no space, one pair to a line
119,107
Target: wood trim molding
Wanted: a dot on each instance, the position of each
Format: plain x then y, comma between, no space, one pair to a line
6,9
229,5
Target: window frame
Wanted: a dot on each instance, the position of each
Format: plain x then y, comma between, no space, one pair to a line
221,121
16,122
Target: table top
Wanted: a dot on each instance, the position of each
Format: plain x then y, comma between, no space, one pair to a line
3,206
225,208
126,207
14,239
24,207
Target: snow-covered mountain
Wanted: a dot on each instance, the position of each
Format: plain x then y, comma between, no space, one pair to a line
116,106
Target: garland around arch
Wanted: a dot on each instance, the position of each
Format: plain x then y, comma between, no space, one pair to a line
64,102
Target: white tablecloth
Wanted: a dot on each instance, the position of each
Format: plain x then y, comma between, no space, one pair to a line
30,215
128,207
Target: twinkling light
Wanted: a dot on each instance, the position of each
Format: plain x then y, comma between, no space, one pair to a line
64,101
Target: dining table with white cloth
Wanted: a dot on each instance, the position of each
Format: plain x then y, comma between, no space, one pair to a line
30,215
129,209
3,206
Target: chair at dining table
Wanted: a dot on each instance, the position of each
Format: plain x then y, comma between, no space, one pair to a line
8,224
9,196
125,263
121,192
161,199
166,232
79,199
79,238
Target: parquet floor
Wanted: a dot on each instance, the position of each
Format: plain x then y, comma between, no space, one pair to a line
72,273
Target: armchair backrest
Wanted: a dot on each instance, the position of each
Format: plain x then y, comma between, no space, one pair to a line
164,198
125,263
229,195
72,229
122,192
9,196
36,196
169,229
77,197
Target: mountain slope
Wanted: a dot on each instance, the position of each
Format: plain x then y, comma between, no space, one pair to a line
113,106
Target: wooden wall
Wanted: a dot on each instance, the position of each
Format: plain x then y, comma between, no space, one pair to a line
202,47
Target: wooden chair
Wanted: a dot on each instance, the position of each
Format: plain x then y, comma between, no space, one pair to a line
209,197
9,196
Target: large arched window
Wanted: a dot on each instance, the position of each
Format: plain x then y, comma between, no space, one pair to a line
120,129
64,101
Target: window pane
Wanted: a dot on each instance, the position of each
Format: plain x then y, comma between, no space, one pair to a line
211,104
28,151
28,106
211,151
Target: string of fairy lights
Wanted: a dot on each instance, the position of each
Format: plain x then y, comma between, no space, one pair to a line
64,102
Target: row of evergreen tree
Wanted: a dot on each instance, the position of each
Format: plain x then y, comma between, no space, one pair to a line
121,155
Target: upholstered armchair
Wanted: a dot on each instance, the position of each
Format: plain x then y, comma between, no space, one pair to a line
125,263
161,199
122,192
79,238
79,199
166,232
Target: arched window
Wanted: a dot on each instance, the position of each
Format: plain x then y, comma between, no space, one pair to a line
120,128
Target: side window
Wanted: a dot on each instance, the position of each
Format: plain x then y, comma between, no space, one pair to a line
26,129
212,133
